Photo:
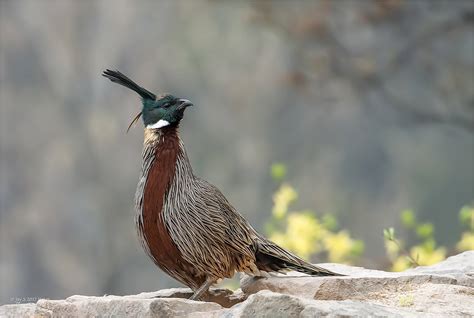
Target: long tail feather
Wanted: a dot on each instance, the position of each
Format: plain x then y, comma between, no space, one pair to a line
119,78
271,257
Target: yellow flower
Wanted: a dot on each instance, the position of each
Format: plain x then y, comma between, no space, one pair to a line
279,239
282,199
339,246
392,249
401,264
426,257
304,231
302,235
466,243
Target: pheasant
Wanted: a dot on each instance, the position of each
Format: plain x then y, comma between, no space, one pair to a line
185,224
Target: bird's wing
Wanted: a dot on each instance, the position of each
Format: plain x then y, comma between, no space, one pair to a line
238,233
211,235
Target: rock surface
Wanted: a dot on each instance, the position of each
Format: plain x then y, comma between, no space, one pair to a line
442,290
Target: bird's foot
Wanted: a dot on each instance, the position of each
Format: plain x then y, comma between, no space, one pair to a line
202,290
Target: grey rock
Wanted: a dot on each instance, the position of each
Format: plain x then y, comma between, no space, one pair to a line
224,297
442,290
274,305
17,310
117,306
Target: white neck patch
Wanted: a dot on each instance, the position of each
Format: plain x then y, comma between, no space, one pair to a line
160,123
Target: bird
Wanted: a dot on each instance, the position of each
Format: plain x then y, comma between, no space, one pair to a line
185,224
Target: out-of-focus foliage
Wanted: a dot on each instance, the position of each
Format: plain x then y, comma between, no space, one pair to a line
303,232
282,199
466,216
426,252
278,171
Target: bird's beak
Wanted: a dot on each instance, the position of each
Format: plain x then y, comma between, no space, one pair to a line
183,103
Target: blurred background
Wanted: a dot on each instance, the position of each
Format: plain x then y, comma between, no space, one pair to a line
338,114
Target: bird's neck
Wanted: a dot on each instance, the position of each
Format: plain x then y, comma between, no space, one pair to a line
166,136
166,171
164,152
159,137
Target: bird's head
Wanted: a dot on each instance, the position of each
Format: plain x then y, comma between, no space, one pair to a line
165,111
157,112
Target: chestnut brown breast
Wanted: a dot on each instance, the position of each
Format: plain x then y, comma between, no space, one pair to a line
154,232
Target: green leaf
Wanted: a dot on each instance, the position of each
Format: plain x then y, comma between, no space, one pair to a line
357,248
408,218
278,171
429,244
389,234
425,230
466,215
329,222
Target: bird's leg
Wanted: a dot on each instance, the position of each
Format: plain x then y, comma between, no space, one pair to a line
202,289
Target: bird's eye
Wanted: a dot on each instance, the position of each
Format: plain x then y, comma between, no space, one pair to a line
166,105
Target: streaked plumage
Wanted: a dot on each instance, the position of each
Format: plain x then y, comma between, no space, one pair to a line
185,224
